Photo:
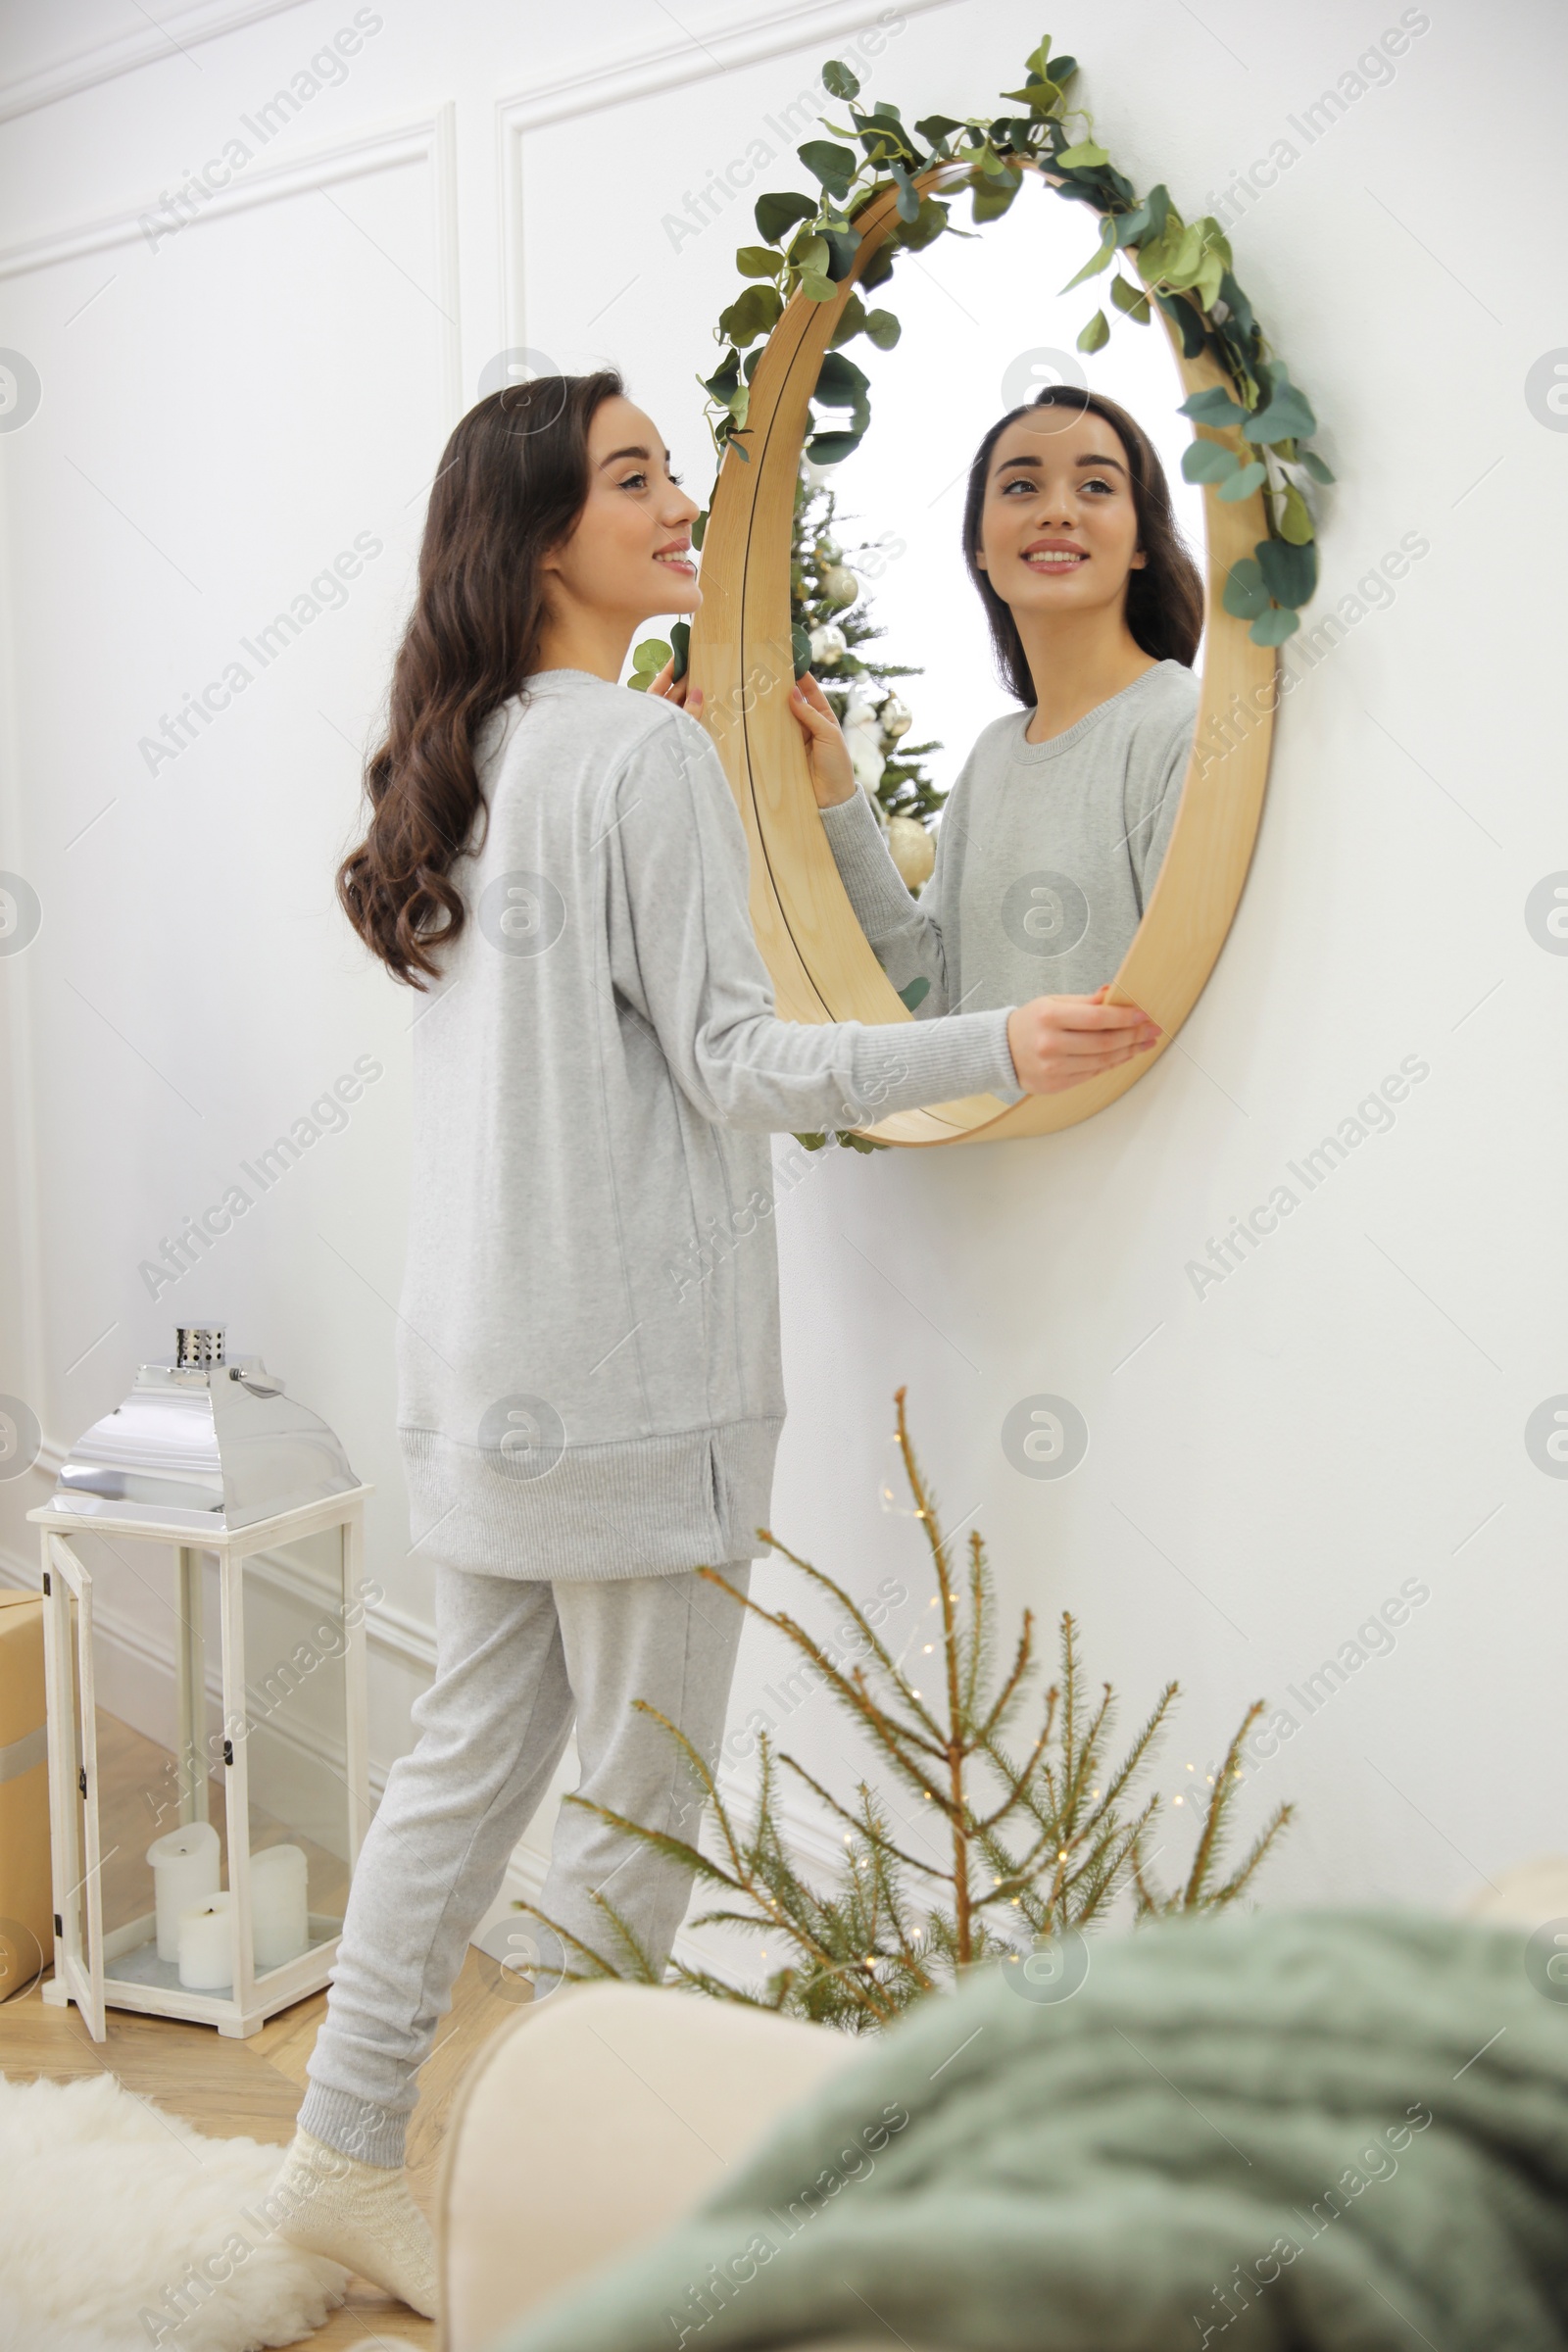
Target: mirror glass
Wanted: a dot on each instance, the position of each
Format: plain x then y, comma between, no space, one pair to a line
1027,846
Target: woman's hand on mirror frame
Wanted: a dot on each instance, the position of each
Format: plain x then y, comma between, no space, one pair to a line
671,689
1059,1041
827,754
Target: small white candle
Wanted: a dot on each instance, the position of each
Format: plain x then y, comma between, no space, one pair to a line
280,1926
184,1864
207,1943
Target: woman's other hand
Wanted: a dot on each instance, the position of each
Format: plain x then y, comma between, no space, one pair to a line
1059,1041
827,751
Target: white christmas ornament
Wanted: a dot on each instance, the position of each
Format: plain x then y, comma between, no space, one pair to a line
862,732
897,719
840,585
828,644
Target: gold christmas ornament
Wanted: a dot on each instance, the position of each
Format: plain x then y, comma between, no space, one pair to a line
912,849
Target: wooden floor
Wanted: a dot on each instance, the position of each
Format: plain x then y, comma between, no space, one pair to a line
252,2087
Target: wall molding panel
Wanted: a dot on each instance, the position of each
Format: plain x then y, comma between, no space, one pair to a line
429,138
643,74
147,44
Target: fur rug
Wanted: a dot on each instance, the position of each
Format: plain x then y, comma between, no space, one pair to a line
123,2229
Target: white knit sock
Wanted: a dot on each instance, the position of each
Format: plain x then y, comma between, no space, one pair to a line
361,2215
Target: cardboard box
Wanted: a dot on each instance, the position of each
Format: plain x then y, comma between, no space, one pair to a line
26,1909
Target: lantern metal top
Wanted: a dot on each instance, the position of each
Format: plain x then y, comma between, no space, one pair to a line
206,1442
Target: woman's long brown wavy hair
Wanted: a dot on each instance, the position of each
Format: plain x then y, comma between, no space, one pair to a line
513,481
1164,597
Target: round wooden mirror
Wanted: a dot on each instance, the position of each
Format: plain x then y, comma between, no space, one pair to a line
741,655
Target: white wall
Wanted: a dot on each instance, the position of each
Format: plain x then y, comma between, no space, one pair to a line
228,409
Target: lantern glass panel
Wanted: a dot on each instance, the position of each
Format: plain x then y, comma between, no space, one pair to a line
295,1730
153,1652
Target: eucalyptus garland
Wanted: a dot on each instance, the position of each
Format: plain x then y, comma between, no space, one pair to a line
1153,256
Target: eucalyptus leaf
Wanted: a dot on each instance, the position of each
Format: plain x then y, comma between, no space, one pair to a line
909,195
1096,334
853,321
756,313
914,235
759,260
1038,96
1291,572
1288,415
1186,320
835,167
1208,462
831,449
1239,307
838,81
989,201
775,215
935,128
680,645
916,992
724,378
698,526
1062,69
883,328
1315,466
1295,521
1131,227
650,656
839,384
816,287
842,244
1131,298
1099,260
1083,157
1245,595
801,644
1273,626
1242,483
1214,407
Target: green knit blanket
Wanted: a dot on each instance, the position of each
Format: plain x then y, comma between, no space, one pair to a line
1295,2130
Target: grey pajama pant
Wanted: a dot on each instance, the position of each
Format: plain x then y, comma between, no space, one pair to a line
515,1661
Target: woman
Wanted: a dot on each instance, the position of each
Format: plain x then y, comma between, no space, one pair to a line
1051,837
590,1393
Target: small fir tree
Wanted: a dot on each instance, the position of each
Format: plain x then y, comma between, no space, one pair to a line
831,617
1028,1846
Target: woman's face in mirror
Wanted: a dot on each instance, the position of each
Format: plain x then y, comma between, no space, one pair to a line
1058,529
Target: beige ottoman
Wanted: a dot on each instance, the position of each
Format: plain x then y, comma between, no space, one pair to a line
591,2125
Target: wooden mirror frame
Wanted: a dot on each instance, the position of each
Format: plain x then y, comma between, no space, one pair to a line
822,965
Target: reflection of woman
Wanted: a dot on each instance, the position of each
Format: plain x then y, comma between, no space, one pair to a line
1052,835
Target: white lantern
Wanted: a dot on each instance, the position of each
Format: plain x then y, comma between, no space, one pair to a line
207,1495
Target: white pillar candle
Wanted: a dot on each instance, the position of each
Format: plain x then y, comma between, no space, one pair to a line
207,1943
279,1929
184,1871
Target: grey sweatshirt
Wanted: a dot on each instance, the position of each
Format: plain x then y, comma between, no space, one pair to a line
1045,854
588,1343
